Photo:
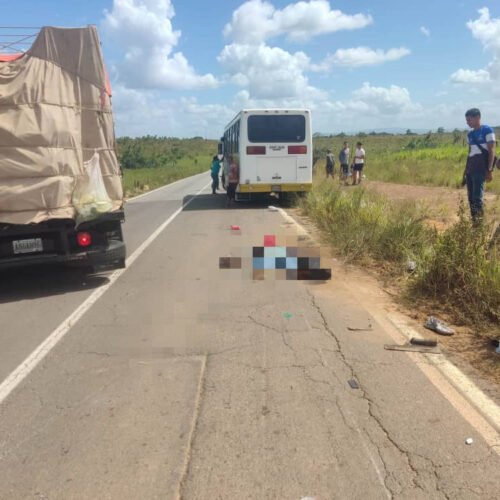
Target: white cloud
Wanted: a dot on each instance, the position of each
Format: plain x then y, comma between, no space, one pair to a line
470,76
155,115
267,72
361,56
393,100
258,20
487,30
425,31
143,30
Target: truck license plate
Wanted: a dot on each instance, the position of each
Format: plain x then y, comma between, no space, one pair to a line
28,246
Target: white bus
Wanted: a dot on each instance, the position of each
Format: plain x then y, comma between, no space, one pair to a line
272,149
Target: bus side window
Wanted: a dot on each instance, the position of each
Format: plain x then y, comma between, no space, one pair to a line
237,137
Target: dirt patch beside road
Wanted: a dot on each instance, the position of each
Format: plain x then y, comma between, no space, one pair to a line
440,204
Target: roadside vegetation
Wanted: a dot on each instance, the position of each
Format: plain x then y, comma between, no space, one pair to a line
432,159
455,268
150,162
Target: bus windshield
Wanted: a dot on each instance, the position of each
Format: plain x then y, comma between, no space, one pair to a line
276,128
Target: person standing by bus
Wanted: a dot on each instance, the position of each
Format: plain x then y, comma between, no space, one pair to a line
330,164
214,172
233,178
359,163
344,158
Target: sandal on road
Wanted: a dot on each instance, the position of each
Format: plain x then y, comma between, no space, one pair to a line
437,326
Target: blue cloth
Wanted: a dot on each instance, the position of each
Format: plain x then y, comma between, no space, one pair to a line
215,168
483,136
475,190
344,156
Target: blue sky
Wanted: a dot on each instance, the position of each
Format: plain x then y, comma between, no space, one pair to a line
184,68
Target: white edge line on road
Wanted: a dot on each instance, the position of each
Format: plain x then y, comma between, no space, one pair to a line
462,384
31,362
458,379
147,193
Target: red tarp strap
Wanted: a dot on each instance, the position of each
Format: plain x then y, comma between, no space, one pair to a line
10,57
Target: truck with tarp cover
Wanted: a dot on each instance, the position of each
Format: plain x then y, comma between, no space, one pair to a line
61,196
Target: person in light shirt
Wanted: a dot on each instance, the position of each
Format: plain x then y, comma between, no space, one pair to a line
480,161
359,163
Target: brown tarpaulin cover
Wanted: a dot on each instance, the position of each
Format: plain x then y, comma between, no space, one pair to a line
55,112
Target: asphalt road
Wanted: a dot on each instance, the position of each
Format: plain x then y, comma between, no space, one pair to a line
183,380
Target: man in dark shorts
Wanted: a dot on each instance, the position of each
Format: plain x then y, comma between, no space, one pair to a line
359,163
330,164
344,156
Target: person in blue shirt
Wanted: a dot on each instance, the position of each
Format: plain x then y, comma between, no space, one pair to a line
480,161
214,172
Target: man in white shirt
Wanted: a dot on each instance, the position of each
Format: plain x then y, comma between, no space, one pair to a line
359,163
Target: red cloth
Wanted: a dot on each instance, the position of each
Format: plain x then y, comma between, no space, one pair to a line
10,57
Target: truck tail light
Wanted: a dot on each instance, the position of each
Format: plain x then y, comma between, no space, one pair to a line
84,239
256,150
297,150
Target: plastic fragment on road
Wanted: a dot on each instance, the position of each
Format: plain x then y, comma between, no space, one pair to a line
413,348
469,441
437,326
353,383
425,342
272,208
235,227
411,266
369,328
287,315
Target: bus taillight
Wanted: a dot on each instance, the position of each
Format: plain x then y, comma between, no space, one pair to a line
297,150
256,150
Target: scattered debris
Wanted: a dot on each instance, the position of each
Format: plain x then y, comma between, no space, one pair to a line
367,329
426,342
496,343
411,266
287,315
413,348
469,441
353,384
273,208
437,326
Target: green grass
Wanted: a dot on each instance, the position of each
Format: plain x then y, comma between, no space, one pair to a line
453,268
360,224
461,271
138,180
151,162
432,160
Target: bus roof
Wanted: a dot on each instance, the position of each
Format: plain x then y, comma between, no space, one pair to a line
268,110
